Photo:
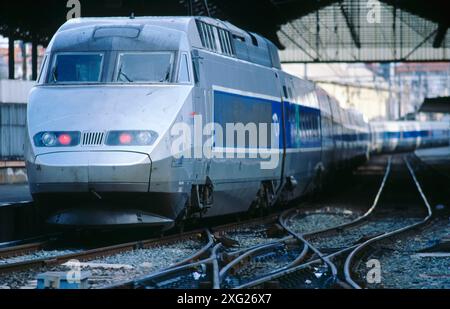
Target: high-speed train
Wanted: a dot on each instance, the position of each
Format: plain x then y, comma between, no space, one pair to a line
153,120
394,136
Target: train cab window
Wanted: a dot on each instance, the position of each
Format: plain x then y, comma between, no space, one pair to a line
154,67
183,72
76,68
43,71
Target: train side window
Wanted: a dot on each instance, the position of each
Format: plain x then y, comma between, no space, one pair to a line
290,93
213,37
203,35
254,39
210,37
228,41
302,128
285,92
183,73
225,42
222,44
206,35
316,129
307,127
238,37
195,66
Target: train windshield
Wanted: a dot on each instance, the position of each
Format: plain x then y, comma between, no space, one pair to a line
155,67
76,68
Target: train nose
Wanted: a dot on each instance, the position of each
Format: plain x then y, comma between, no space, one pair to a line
102,171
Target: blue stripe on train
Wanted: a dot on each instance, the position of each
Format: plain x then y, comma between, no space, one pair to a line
405,134
302,122
230,108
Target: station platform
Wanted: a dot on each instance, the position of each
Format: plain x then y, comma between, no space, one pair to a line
437,158
16,193
18,219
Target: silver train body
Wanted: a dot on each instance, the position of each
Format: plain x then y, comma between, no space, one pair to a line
397,136
113,91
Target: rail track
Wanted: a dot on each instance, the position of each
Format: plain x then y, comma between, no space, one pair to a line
237,244
322,271
23,262
295,249
407,251
327,266
186,248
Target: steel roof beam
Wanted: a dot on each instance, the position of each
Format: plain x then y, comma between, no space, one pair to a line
351,27
440,35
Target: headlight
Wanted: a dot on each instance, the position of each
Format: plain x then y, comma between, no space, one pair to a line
57,139
49,139
131,138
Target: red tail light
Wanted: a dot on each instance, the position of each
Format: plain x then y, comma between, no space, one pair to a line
125,138
57,139
65,139
131,138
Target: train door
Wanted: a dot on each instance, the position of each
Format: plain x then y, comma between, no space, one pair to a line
328,143
200,114
202,96
284,127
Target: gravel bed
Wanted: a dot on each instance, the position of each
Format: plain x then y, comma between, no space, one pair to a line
41,254
135,264
316,221
263,265
312,277
401,267
246,238
352,235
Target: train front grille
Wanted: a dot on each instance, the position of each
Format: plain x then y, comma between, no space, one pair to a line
92,138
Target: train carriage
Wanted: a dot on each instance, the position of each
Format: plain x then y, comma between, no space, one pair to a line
152,120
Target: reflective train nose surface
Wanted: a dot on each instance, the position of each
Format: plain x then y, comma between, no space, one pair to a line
102,171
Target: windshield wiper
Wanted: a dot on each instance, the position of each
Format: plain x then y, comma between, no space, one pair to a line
121,73
54,76
167,76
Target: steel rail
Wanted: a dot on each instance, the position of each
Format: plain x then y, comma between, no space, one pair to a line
108,250
308,245
324,258
360,247
9,252
172,272
367,214
105,251
213,259
27,241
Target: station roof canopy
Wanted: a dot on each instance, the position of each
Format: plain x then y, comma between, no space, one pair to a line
436,105
305,30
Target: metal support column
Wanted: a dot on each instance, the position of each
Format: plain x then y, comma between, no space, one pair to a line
11,61
34,60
